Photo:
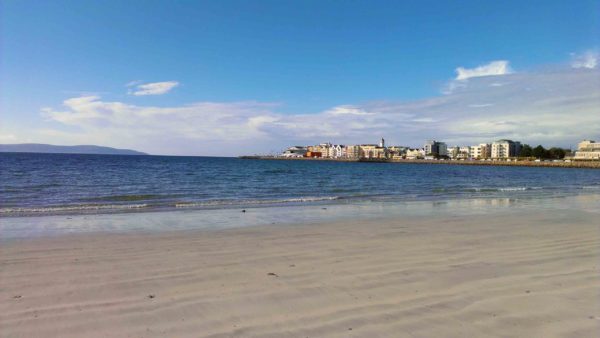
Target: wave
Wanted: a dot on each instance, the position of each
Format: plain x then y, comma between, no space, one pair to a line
122,207
487,189
58,209
216,203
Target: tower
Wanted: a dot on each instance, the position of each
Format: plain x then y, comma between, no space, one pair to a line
382,143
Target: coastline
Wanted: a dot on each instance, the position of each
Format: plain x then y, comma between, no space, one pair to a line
56,225
521,273
520,163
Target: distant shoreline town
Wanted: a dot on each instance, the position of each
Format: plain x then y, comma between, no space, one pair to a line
500,152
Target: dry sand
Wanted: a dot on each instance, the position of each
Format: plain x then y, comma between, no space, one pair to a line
514,276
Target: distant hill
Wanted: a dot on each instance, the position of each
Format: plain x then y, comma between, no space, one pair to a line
49,148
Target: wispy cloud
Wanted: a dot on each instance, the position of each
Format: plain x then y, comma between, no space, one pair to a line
588,60
493,68
347,110
154,88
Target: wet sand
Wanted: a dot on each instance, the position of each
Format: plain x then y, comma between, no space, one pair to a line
441,276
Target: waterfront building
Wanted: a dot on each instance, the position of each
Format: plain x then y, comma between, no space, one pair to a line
372,151
413,154
397,152
397,149
587,150
295,151
336,151
505,149
353,151
464,152
453,152
313,154
435,148
322,148
481,151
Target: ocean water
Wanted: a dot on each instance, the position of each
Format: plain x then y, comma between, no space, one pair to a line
46,184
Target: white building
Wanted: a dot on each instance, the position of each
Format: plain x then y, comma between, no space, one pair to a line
453,152
587,150
295,151
336,151
505,149
483,150
413,154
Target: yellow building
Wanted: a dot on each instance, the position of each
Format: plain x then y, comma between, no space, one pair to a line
353,151
372,151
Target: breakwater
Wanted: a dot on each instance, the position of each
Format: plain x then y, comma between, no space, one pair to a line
517,163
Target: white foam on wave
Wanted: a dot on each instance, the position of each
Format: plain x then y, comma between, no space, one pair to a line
72,208
513,189
502,189
255,202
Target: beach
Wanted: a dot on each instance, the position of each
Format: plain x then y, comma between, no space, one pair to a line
516,274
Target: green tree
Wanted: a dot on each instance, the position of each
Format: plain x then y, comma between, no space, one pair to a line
526,151
556,153
540,152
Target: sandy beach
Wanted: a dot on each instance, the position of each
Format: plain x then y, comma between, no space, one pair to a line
519,275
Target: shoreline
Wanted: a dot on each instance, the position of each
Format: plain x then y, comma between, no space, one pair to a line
519,163
521,274
39,226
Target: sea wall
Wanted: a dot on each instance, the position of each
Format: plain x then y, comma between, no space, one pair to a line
521,163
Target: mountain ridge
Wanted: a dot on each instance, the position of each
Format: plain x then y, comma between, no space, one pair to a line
59,149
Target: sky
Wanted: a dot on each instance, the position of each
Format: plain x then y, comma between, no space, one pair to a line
227,78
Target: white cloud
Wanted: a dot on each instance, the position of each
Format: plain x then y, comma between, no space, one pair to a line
154,88
493,68
347,110
588,60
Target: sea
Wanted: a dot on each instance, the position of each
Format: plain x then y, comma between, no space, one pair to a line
213,189
40,184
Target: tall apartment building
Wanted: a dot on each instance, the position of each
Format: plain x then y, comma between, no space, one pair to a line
505,149
435,148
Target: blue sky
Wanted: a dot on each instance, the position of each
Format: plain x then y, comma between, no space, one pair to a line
262,74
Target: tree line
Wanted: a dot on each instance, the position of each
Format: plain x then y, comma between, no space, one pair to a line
553,153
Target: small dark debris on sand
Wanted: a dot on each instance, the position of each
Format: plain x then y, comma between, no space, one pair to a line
324,208
151,296
292,265
272,274
243,210
527,291
17,296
